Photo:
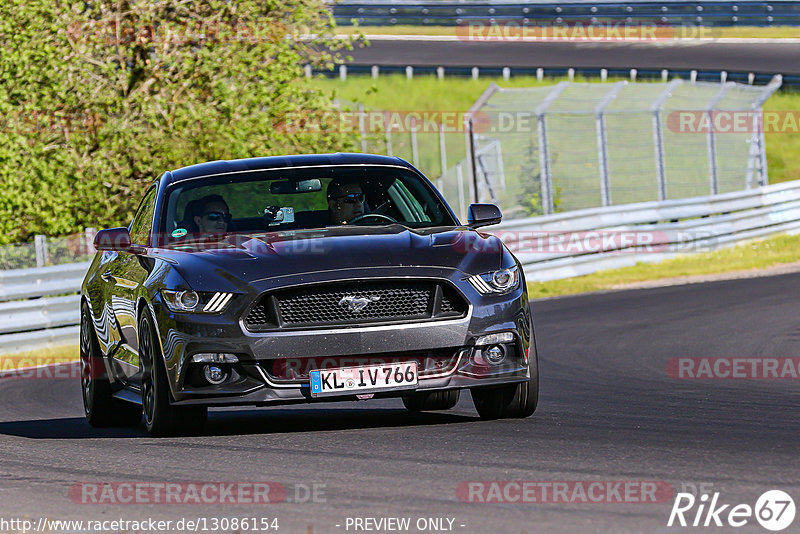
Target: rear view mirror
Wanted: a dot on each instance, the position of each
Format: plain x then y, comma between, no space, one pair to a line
117,239
289,187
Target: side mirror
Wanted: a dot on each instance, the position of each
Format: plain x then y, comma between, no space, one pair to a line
483,215
117,239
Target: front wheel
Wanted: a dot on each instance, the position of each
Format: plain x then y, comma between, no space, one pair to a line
511,401
99,406
160,416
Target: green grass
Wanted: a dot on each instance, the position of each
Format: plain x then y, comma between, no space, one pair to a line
783,148
67,353
773,32
759,254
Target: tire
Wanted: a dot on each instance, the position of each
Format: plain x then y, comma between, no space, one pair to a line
511,401
99,406
161,417
431,400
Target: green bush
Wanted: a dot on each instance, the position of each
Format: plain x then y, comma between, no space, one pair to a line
98,98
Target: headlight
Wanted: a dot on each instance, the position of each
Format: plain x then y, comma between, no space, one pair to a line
192,301
496,282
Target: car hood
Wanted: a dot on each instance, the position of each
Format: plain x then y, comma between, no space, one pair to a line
256,258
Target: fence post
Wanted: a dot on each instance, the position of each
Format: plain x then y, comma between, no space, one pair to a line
414,145
468,126
602,141
711,138
461,205
442,152
473,160
388,133
89,234
658,137
362,131
774,84
548,201
40,245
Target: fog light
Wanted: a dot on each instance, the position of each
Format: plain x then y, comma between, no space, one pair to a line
495,354
214,374
214,357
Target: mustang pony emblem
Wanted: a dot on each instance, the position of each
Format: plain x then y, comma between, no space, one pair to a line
356,304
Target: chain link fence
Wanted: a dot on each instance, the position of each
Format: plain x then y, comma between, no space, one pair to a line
582,145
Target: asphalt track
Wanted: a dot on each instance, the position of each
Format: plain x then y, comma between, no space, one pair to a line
608,411
763,57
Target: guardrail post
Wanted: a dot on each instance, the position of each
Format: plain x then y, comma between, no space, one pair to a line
375,71
658,137
602,141
343,72
40,244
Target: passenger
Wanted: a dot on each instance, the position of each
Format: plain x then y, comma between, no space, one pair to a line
345,201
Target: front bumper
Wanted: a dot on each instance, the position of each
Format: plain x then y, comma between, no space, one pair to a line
447,346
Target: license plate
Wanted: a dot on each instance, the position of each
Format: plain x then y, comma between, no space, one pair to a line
368,378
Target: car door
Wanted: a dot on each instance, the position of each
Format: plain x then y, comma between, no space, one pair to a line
126,277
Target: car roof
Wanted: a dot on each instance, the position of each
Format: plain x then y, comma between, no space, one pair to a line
272,162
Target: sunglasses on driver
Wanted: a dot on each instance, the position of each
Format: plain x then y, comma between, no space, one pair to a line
217,216
350,198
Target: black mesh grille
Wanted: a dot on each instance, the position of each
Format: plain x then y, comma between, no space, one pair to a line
355,303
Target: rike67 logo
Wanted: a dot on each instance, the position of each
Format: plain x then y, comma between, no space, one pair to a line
774,510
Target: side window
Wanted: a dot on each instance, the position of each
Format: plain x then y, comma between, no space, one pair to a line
143,220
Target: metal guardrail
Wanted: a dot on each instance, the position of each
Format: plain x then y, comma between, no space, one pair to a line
50,313
581,242
448,13
550,247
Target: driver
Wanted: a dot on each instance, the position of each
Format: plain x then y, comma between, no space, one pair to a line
213,215
345,200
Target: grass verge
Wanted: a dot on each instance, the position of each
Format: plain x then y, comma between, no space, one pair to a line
778,250
60,354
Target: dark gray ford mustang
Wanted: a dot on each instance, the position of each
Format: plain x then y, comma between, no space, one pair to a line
301,279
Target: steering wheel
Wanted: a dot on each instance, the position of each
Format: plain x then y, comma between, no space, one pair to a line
380,216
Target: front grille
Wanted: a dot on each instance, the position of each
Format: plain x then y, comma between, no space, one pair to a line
355,303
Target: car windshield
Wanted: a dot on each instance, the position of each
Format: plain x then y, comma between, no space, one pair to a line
291,199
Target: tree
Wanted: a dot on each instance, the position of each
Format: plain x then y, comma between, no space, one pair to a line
98,98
